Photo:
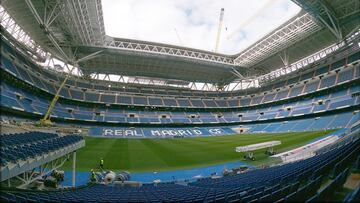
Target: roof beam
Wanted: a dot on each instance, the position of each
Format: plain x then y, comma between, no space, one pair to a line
49,19
64,56
295,30
164,49
284,56
90,56
324,13
235,72
12,29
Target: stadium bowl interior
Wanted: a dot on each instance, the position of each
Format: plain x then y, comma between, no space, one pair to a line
257,130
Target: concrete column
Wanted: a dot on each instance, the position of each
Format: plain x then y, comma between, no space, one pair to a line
74,169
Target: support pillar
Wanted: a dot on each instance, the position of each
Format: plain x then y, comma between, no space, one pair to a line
74,169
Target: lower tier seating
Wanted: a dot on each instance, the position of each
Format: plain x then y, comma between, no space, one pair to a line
298,181
22,146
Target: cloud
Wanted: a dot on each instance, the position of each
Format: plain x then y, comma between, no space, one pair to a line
196,21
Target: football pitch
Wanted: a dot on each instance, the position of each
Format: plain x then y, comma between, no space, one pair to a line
139,155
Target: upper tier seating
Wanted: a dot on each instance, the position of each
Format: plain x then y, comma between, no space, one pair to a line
23,100
16,63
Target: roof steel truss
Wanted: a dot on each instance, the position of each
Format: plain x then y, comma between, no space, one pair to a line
294,31
310,59
50,36
84,20
322,12
8,24
168,50
76,23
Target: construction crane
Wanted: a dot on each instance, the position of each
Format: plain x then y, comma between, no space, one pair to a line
219,29
46,119
251,18
178,36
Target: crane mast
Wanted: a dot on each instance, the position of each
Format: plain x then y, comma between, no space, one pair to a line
219,29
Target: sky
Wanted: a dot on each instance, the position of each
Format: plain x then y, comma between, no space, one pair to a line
194,23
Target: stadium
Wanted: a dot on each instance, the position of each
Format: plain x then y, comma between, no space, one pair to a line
88,117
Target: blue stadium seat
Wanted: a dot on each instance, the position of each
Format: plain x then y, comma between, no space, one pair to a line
169,102
155,101
311,86
345,75
27,145
108,98
328,81
295,91
140,101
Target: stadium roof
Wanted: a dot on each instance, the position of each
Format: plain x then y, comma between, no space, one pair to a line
139,58
74,31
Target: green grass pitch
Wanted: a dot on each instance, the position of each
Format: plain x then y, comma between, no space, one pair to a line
137,155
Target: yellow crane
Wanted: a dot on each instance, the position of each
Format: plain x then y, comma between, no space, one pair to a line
46,119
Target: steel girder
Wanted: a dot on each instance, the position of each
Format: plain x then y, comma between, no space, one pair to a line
157,48
291,32
324,13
